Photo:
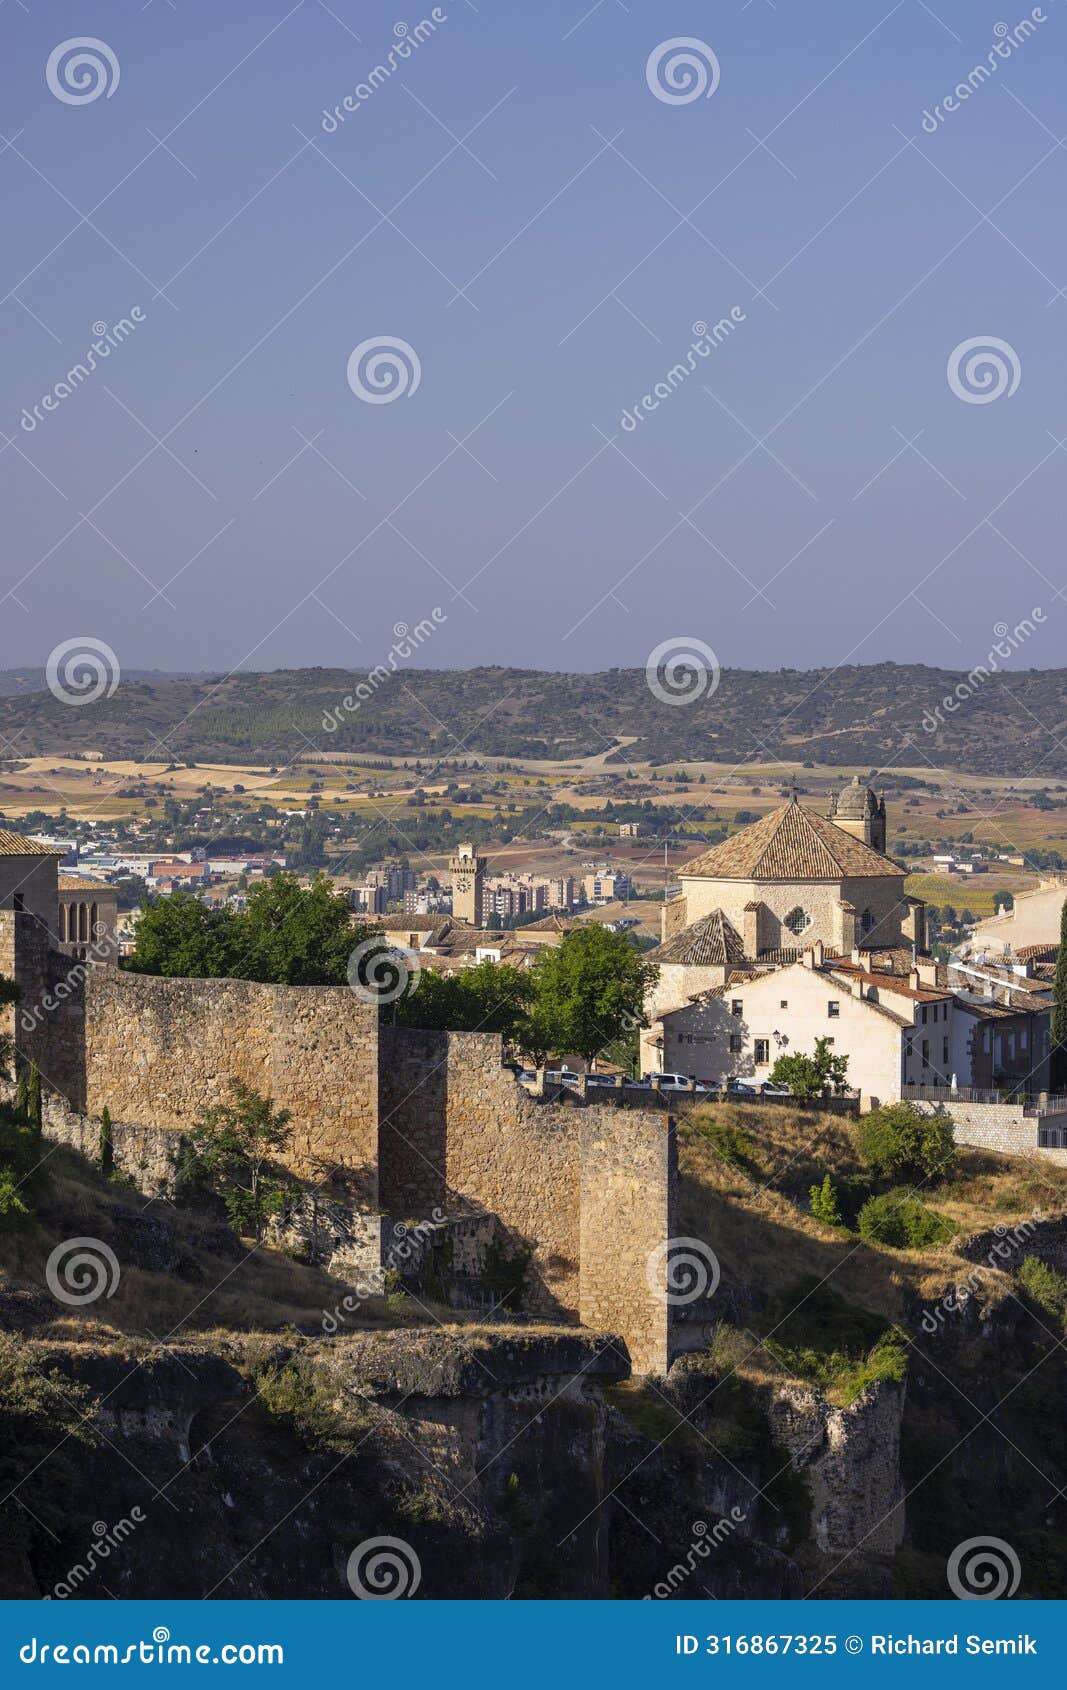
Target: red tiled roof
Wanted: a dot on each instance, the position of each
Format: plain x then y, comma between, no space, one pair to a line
791,844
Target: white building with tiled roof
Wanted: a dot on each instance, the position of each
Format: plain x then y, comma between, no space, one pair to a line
897,1031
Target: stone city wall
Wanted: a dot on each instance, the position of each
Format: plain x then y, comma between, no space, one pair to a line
629,1169
158,1051
589,1190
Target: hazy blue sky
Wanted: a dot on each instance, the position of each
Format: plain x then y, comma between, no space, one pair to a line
519,154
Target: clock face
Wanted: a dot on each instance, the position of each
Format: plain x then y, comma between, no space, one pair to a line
463,884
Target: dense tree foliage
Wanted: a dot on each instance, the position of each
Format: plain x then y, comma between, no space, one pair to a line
588,992
899,1141
289,934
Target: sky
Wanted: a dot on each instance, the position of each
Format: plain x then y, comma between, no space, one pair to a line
526,217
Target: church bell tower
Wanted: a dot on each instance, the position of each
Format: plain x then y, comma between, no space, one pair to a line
468,873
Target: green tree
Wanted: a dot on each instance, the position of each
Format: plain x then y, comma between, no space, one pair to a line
1058,1052
809,1077
232,1152
180,936
492,997
289,934
296,935
824,1202
590,990
899,1141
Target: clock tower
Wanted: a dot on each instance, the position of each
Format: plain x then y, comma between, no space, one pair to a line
468,872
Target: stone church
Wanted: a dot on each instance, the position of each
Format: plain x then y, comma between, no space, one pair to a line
778,887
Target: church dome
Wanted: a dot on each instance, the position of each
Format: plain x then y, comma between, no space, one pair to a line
854,802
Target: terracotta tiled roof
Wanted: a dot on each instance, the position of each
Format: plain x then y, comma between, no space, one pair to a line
708,942
82,883
16,845
1037,953
791,844
889,983
406,923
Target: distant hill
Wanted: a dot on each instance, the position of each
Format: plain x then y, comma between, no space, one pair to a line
871,716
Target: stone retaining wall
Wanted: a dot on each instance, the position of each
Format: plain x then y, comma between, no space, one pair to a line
998,1126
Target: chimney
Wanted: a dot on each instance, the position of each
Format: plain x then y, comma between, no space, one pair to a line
814,956
914,980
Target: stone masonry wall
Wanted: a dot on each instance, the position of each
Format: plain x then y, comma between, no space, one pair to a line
458,1131
628,1182
589,1189
157,1051
998,1126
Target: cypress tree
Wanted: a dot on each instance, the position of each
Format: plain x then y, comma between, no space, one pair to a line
107,1148
33,1099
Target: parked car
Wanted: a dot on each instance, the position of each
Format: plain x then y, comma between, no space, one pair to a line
560,1076
756,1088
601,1080
676,1083
526,1075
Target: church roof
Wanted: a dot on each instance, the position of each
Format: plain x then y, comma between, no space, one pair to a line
706,943
790,844
16,845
